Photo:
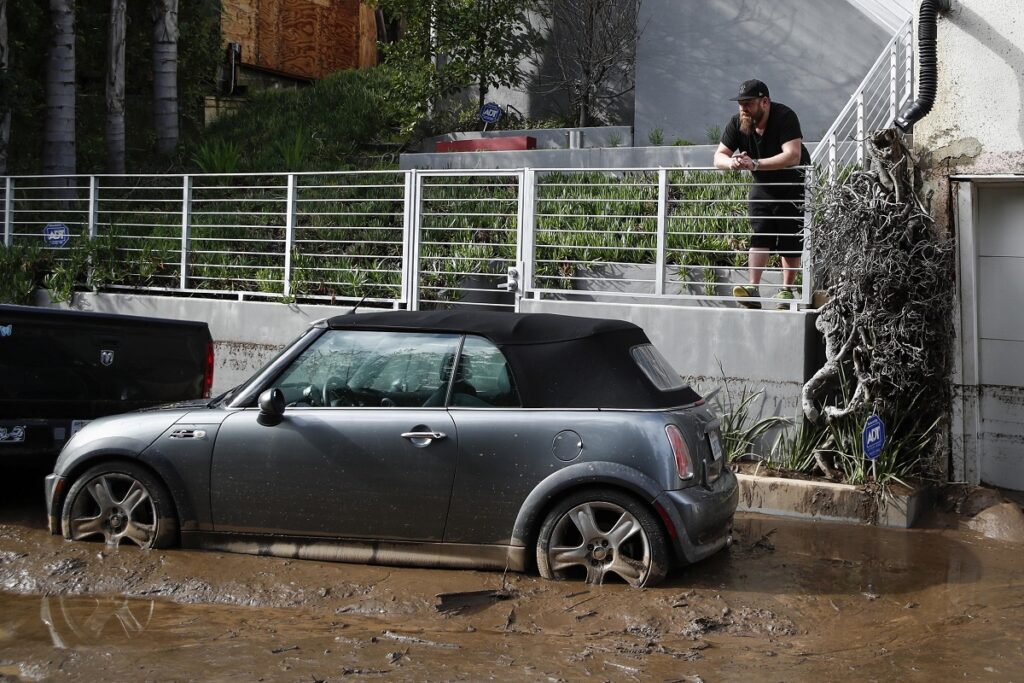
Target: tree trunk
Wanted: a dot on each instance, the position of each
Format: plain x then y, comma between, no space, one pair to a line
5,109
59,138
115,87
165,74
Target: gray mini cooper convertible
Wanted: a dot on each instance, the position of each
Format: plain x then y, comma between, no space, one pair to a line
443,439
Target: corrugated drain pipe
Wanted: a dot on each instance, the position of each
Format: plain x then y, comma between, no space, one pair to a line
928,72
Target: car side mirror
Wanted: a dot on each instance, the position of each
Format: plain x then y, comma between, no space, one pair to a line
271,407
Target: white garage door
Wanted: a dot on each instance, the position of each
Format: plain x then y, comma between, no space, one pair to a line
1000,307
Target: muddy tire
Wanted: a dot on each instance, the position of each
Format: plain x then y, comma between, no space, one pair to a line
120,502
602,533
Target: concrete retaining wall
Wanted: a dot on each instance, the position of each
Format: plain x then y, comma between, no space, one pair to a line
771,350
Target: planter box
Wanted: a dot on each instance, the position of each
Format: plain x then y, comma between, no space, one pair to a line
515,142
829,502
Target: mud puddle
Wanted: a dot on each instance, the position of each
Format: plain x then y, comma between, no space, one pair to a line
790,602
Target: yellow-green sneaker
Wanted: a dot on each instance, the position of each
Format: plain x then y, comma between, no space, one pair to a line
784,297
743,293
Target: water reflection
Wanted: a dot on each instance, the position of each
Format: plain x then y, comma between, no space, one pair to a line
73,622
828,559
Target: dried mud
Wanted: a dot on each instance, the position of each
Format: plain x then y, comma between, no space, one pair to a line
790,601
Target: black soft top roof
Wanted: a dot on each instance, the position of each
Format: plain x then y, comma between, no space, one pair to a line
558,361
501,328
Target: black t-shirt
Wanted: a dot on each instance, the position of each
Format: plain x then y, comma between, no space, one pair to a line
782,126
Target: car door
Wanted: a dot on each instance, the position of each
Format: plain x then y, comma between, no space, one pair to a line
356,455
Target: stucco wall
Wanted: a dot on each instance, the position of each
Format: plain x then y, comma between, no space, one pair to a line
976,125
979,107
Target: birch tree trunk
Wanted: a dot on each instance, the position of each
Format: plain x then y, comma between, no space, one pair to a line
5,108
165,74
59,136
115,87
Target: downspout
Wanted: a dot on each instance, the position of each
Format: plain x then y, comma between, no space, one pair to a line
928,68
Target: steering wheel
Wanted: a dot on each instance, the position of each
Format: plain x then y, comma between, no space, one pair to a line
338,393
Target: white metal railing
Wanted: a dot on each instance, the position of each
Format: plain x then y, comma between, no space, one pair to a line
874,105
415,239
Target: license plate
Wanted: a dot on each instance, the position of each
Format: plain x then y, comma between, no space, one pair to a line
15,434
716,445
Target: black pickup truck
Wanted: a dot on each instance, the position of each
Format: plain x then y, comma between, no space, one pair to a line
59,369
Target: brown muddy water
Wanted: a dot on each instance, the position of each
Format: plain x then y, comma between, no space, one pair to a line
790,601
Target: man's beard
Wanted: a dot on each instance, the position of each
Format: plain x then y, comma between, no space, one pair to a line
748,122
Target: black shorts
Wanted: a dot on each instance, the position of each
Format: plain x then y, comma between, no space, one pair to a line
778,227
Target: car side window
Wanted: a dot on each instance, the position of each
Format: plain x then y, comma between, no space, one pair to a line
345,368
483,378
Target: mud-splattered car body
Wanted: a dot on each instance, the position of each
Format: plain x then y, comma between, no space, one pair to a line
565,440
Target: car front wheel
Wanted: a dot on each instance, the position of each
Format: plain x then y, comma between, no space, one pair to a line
600,533
119,502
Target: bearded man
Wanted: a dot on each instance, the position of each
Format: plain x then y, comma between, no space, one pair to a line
764,138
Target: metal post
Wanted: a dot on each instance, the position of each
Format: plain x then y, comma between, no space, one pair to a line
527,226
93,205
289,230
659,278
893,77
8,211
186,229
861,135
908,65
807,263
832,156
413,221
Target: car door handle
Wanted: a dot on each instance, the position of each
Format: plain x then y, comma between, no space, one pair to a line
425,435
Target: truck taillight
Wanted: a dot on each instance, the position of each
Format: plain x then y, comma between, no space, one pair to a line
684,464
208,371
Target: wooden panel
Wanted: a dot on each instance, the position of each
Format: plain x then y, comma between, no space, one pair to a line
367,36
309,38
238,24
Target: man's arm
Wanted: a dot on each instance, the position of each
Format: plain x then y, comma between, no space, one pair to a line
724,159
790,156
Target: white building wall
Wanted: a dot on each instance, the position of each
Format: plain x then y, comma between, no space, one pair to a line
972,147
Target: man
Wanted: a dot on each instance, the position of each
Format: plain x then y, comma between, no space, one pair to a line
765,139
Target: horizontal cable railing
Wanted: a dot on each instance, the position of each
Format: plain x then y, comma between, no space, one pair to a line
874,105
643,234
416,239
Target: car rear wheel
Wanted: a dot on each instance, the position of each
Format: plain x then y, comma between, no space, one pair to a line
600,533
120,502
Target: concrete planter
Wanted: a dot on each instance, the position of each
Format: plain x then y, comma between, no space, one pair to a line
830,502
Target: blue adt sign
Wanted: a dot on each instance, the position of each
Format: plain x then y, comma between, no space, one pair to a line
873,437
490,113
56,235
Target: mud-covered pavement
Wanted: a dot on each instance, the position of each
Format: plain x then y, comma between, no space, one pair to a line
789,602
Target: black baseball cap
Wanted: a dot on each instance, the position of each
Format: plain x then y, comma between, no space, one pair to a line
751,90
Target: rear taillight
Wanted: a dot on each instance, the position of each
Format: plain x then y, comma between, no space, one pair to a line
208,371
684,463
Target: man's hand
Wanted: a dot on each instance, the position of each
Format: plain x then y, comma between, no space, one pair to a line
741,161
